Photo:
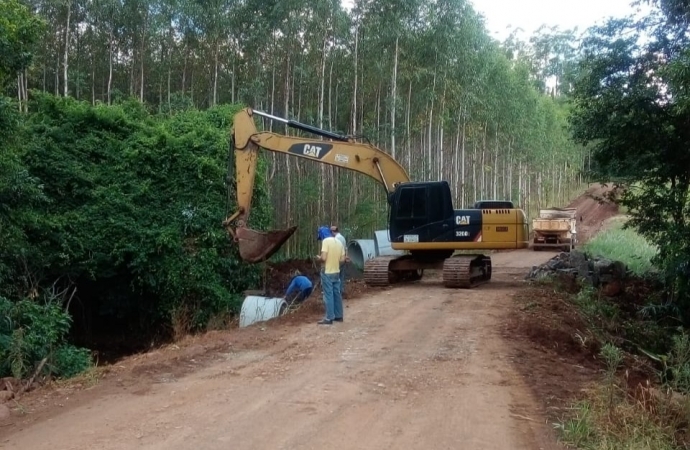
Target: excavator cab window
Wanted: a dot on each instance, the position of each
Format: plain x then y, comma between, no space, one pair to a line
417,207
412,203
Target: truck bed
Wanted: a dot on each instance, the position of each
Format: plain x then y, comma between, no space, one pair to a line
553,225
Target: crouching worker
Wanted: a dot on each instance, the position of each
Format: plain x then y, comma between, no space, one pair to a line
299,290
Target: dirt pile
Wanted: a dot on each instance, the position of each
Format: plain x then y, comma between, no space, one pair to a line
594,208
277,275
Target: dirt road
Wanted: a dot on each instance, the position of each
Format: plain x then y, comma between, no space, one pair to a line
411,367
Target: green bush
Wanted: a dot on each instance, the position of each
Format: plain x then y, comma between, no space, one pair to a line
31,331
69,360
128,207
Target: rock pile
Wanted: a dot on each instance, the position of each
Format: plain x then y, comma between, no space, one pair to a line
597,272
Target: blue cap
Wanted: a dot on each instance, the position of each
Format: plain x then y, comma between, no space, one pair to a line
323,233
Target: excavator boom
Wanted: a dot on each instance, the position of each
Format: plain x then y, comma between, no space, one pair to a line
340,151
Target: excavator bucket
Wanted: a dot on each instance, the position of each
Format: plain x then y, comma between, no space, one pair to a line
257,246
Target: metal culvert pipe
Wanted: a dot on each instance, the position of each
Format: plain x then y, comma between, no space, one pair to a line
361,250
383,244
256,308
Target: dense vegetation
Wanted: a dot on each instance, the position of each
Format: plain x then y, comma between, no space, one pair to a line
631,105
121,210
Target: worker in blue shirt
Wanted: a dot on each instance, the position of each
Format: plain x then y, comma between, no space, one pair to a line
302,288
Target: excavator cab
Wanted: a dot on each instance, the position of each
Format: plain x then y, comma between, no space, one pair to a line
421,209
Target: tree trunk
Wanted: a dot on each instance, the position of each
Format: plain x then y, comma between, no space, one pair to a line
110,63
19,92
323,80
482,166
354,94
141,63
215,76
330,94
462,158
407,125
184,69
273,83
393,97
495,191
65,63
287,91
431,122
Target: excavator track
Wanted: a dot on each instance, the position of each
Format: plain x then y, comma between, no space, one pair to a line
376,271
466,271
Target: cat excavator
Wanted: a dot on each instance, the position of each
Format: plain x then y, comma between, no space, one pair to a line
422,221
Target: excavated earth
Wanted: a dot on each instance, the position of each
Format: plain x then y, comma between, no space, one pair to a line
415,366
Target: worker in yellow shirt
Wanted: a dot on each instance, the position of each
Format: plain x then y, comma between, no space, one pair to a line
332,255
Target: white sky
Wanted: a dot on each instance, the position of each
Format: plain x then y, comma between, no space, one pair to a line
531,14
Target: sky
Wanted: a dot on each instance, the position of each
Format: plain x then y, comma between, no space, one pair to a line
531,14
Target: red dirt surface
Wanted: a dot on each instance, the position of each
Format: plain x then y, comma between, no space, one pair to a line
552,347
595,209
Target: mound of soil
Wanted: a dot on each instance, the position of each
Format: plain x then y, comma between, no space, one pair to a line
594,209
278,274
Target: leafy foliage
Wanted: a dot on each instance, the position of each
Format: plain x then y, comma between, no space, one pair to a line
132,212
631,105
31,331
20,30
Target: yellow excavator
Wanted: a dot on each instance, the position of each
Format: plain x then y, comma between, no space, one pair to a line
422,221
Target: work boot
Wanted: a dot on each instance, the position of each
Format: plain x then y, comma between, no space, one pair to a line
324,322
338,319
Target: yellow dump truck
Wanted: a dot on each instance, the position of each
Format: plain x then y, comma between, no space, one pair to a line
555,228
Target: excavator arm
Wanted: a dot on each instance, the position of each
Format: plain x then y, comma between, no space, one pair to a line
341,151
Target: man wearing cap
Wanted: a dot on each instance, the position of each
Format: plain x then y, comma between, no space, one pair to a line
336,233
332,255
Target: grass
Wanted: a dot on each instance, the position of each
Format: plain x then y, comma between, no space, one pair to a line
617,414
613,416
626,423
623,245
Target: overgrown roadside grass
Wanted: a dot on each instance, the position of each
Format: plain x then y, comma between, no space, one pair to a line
617,414
625,245
625,409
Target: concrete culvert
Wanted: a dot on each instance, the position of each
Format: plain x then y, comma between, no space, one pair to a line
361,250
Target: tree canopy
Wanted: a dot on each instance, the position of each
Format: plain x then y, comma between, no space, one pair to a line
631,105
